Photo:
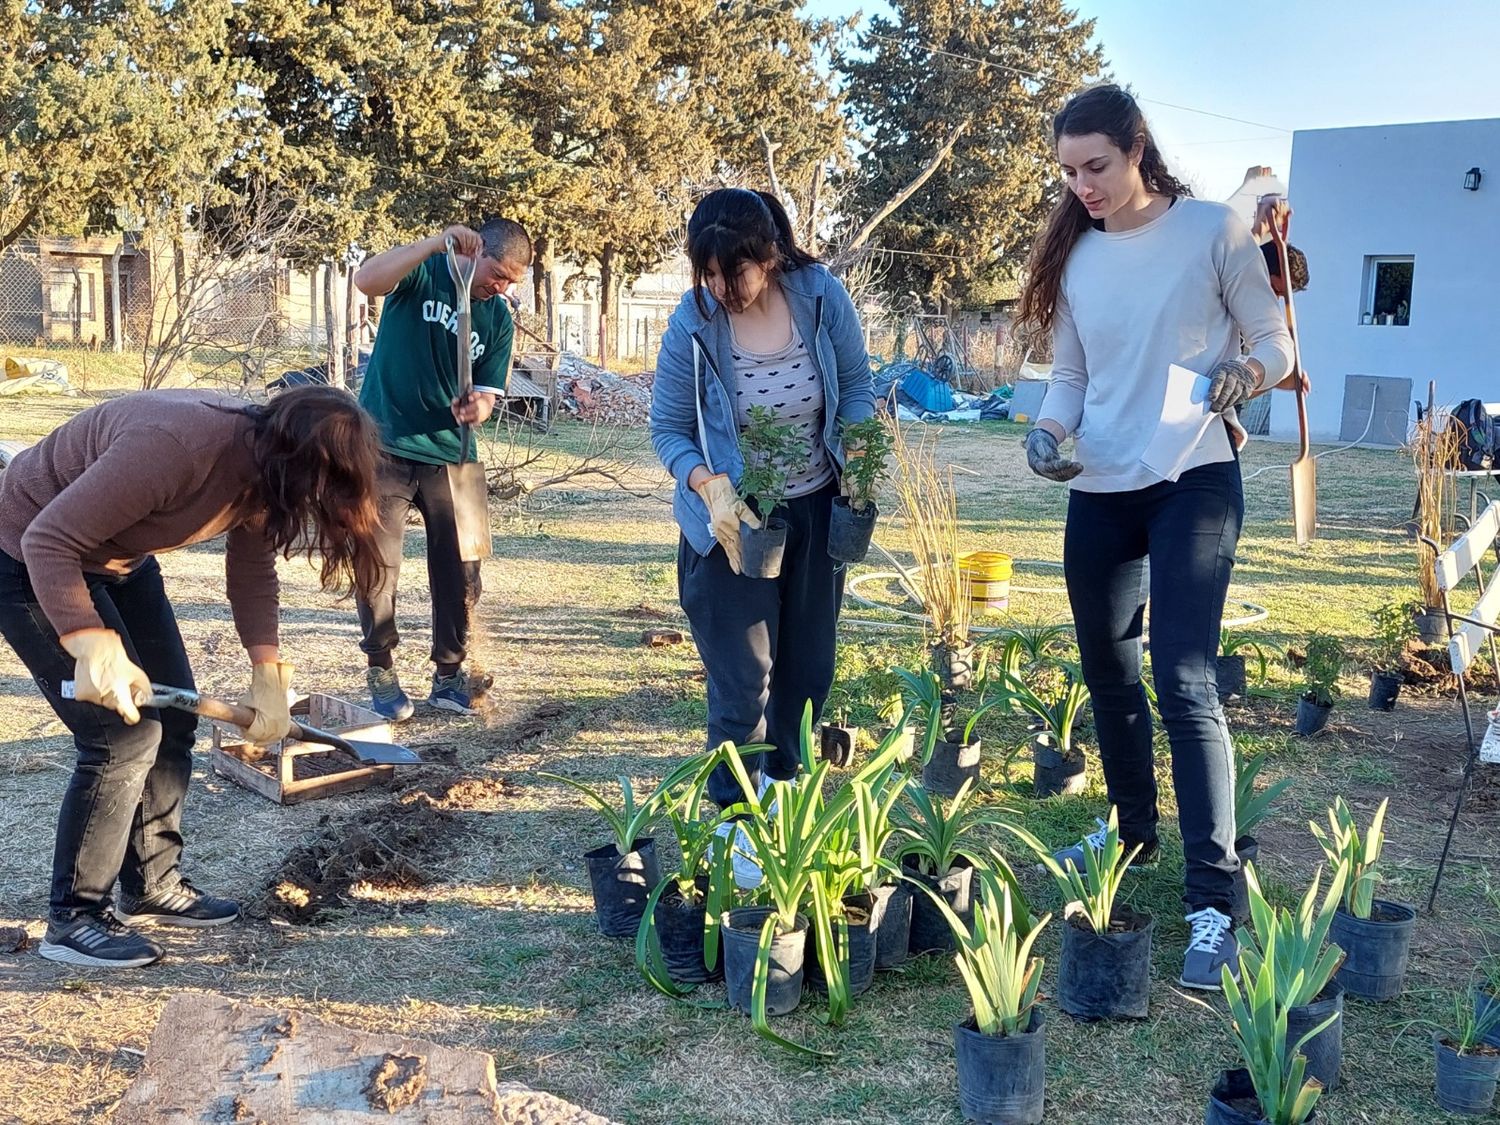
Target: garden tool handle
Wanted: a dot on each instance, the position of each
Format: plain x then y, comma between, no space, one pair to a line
1279,229
463,278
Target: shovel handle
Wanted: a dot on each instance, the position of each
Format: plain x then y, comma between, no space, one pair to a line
463,277
1279,238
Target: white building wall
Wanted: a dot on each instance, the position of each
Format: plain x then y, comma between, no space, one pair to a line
1396,190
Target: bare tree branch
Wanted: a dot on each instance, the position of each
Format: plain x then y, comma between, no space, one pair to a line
517,468
883,212
771,176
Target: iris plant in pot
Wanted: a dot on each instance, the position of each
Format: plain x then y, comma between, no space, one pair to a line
1059,763
1325,660
1394,628
1230,666
950,753
772,452
852,522
1250,808
1468,1062
1374,933
1105,968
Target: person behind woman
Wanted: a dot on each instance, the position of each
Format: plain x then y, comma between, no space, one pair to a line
764,325
82,515
1131,275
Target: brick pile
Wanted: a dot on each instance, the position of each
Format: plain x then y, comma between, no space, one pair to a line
593,394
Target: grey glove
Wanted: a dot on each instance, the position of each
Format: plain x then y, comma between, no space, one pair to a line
1045,460
1230,384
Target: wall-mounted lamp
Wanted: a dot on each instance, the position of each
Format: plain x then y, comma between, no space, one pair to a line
1472,178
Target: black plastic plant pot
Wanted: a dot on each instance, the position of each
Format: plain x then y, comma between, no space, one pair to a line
1432,625
953,763
621,886
893,905
930,931
861,915
1232,1101
1375,949
1248,849
680,925
954,665
1056,773
1230,674
1002,1079
1105,976
1384,688
836,744
761,548
788,957
1325,1050
850,530
1311,717
1485,1003
1466,1082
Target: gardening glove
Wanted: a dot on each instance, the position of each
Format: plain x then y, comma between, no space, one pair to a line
104,674
1045,460
1230,384
270,698
725,513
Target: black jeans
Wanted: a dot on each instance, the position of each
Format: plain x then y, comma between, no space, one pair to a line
766,643
452,583
121,815
1188,530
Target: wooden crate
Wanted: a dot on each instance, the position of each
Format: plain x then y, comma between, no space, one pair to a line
290,772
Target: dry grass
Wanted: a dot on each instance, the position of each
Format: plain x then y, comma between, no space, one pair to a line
929,513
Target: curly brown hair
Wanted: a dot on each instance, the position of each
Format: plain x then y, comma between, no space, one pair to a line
1110,110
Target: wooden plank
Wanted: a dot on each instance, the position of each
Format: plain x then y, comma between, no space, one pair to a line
1454,564
226,764
1468,641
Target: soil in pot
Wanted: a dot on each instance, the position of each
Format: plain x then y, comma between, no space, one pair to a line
850,530
1376,949
954,665
893,904
836,744
1311,717
680,924
1248,850
930,932
1232,1101
762,548
1105,976
1230,673
860,912
1466,1083
1056,772
1384,688
953,763
788,957
621,886
1002,1079
1324,1051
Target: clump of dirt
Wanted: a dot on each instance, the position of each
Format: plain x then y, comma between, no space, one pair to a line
13,939
397,1082
468,794
391,848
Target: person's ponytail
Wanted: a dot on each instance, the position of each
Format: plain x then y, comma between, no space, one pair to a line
792,256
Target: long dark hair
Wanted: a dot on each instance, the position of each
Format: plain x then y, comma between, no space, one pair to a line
315,494
733,226
1109,110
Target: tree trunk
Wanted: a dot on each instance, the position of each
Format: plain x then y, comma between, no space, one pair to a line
333,348
351,329
544,281
814,208
606,302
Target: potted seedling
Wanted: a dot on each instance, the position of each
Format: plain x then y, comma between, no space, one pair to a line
1038,642
1059,764
939,848
1305,980
1374,933
1325,660
1105,968
950,752
1250,808
1394,629
773,452
1000,1048
1468,1062
852,522
837,741
1230,674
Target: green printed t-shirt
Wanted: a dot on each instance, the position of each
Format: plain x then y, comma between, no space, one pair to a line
412,377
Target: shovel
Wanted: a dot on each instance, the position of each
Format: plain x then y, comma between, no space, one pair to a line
467,480
370,753
1304,467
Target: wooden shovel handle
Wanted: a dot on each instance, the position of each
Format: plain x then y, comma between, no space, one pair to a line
1279,236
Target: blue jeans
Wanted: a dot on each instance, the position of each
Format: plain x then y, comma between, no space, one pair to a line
1188,530
121,815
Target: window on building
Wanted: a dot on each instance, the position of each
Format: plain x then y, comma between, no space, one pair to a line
72,293
1388,290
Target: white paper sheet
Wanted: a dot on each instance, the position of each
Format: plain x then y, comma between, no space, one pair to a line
1184,419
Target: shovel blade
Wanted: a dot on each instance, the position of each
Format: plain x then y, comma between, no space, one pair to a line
471,510
383,753
1304,500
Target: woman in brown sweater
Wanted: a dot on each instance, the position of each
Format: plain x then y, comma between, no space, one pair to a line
82,515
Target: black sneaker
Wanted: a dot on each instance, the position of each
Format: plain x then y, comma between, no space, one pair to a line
98,941
184,906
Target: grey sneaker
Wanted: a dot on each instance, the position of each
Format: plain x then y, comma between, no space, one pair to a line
386,696
1211,947
183,905
98,941
1145,860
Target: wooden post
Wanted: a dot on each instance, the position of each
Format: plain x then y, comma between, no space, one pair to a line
115,322
333,343
351,329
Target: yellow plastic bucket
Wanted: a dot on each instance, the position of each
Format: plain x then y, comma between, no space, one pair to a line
986,575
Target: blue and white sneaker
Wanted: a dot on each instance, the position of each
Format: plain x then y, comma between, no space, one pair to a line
1211,947
746,867
458,693
386,697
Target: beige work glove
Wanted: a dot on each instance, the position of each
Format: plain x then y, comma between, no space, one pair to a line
725,512
270,698
104,674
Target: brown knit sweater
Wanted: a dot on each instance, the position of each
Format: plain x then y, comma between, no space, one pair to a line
138,475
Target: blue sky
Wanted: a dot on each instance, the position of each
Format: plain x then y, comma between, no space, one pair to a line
1288,65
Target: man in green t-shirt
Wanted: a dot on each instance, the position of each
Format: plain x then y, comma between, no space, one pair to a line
411,389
